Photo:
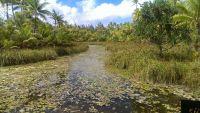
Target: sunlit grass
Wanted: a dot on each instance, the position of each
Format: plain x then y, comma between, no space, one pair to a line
24,56
142,62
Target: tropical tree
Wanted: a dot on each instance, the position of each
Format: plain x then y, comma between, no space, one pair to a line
135,2
36,9
157,26
58,18
189,14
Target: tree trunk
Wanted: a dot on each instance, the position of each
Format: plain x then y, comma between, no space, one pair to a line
198,28
7,11
54,31
160,50
198,36
13,10
35,22
55,22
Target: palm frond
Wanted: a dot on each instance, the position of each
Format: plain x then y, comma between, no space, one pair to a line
41,6
182,8
182,18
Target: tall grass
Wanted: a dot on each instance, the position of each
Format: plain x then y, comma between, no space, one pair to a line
24,56
142,62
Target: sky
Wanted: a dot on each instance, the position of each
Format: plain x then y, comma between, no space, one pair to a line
92,11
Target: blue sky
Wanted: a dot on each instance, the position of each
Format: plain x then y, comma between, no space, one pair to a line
98,2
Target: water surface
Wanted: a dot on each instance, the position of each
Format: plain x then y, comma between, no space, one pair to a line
93,89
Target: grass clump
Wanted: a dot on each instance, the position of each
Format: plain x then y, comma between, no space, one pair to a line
24,56
169,73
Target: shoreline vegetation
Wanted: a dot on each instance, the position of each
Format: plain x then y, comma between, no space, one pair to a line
24,56
141,64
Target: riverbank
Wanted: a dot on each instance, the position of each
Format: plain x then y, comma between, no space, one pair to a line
177,71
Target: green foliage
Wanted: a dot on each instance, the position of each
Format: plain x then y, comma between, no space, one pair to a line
156,25
8,44
61,36
189,11
61,51
32,42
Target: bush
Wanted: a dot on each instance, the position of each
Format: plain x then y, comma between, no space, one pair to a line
8,44
61,51
32,42
24,56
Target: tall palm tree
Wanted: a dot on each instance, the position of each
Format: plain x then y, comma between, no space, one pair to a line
36,9
189,14
135,2
14,5
58,19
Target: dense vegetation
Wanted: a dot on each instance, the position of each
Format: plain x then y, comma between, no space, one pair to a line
161,46
143,63
167,47
171,26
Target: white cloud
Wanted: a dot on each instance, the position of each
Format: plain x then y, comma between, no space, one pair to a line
68,12
105,10
88,12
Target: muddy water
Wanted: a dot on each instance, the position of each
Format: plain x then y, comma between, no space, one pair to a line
93,89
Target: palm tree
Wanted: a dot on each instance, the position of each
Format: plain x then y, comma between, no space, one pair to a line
173,2
135,2
14,3
189,14
58,19
36,9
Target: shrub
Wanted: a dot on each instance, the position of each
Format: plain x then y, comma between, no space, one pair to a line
32,42
61,51
8,44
